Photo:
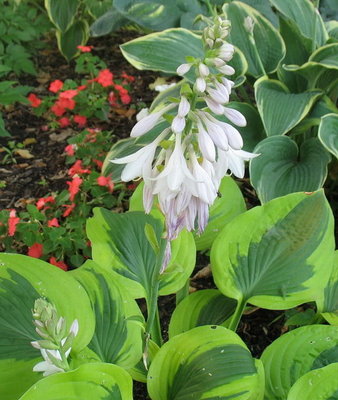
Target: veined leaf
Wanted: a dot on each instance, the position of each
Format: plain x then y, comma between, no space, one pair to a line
62,12
23,280
284,168
206,362
328,133
294,354
279,109
276,256
76,35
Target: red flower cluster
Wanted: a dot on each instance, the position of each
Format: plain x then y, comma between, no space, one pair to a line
106,181
59,264
13,220
34,100
74,187
41,203
35,250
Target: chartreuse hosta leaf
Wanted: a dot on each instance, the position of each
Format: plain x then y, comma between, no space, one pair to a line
320,384
305,16
94,381
283,168
118,336
23,280
265,50
328,133
119,244
279,109
328,303
294,354
62,12
165,51
207,362
204,307
278,255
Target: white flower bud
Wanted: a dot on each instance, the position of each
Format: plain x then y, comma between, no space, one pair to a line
209,42
178,124
184,107
235,116
144,112
226,70
249,24
218,62
183,69
203,70
200,84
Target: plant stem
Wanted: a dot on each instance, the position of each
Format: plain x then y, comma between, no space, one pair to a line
153,327
237,315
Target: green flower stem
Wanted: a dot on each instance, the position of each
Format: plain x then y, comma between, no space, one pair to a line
253,42
237,315
153,327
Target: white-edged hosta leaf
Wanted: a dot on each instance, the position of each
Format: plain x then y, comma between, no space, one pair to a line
266,51
204,307
328,133
228,205
62,12
279,109
118,336
282,167
23,280
95,381
332,29
278,255
306,17
294,354
207,362
320,384
76,35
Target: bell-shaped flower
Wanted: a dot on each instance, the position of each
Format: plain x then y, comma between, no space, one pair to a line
215,107
178,124
206,144
234,138
147,123
183,69
235,116
184,107
226,70
203,70
200,84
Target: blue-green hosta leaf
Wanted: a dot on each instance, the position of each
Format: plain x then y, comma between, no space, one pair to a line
165,51
328,133
207,362
320,384
96,381
305,16
108,22
264,7
204,307
294,354
24,279
266,51
276,256
284,168
76,35
119,323
279,109
62,12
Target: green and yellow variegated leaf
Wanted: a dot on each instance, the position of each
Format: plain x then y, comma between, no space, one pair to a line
207,362
328,133
306,17
23,280
204,307
276,256
320,384
118,336
165,51
264,53
279,109
228,205
282,167
328,302
76,35
294,354
97,381
62,12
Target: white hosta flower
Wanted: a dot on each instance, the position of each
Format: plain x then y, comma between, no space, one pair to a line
218,95
206,144
234,138
214,106
200,85
47,366
183,69
178,124
203,70
148,122
249,24
205,187
165,86
183,107
235,116
218,62
236,161
226,51
142,114
215,131
226,70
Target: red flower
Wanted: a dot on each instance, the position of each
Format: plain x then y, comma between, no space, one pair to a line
121,89
70,150
69,209
77,168
43,201
34,100
105,78
64,122
74,187
55,86
67,103
80,120
106,181
127,77
85,49
99,163
57,109
13,220
59,264
35,250
53,223
68,94
82,87
125,98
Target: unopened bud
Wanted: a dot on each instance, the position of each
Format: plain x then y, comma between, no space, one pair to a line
249,24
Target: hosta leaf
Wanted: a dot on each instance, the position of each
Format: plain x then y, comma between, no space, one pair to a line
328,133
90,381
204,307
266,51
165,51
189,366
108,22
279,109
318,384
119,323
305,16
225,208
294,354
24,279
278,255
284,168
264,7
62,12
76,35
